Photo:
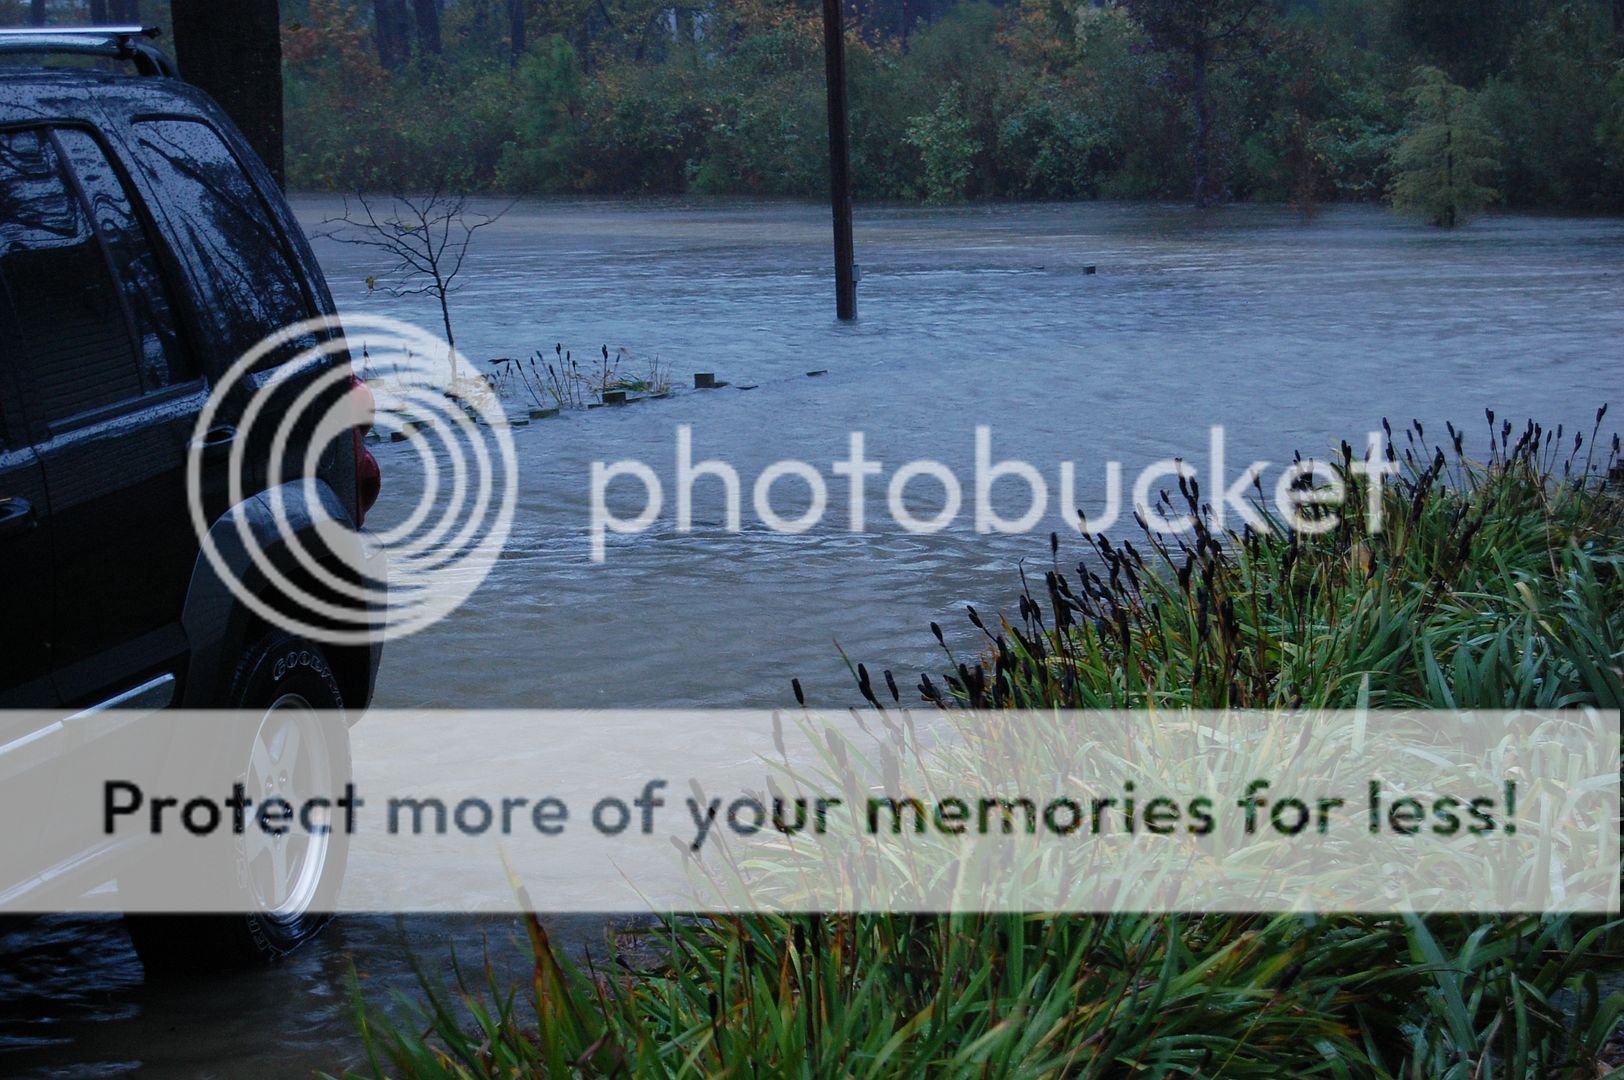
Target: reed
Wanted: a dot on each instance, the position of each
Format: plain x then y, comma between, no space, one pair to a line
563,382
1493,583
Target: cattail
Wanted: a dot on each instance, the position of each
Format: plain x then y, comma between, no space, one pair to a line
800,696
865,687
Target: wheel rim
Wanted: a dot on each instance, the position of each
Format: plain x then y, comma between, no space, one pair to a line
288,759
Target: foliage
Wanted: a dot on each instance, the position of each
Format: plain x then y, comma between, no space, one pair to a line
1196,36
1051,151
1443,163
1469,38
1490,585
1148,98
1610,128
943,140
547,121
1548,106
336,96
1004,996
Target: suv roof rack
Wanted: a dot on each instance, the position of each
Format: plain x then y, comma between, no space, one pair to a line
111,42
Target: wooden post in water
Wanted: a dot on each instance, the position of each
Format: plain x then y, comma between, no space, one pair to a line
834,65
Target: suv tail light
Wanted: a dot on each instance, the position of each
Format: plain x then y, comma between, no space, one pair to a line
368,477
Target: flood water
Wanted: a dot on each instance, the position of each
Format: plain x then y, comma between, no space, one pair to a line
1293,334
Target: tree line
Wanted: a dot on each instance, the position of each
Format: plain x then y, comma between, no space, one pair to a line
1440,105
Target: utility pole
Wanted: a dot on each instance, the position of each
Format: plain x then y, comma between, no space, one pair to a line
834,65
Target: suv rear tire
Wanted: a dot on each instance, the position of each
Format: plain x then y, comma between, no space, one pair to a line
289,884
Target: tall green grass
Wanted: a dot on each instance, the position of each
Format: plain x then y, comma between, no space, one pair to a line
1491,584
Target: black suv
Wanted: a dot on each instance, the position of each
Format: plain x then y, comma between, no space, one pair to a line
143,249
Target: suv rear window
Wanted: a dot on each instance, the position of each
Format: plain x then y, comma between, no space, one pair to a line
221,226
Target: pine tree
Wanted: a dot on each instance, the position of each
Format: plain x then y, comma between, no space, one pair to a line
1447,155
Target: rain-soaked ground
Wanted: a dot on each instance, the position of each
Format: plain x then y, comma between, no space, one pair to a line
1291,333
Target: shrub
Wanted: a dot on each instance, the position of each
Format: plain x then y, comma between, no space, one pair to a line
945,147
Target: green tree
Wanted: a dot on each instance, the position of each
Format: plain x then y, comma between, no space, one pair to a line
1198,36
1468,38
1250,99
1443,163
943,140
1610,129
961,55
1546,105
546,120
